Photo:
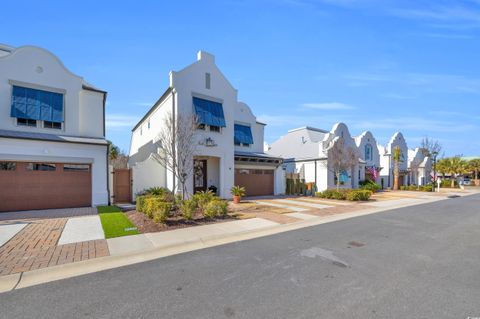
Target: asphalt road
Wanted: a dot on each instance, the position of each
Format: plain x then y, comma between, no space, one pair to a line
416,262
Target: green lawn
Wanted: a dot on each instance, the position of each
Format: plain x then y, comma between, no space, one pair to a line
115,223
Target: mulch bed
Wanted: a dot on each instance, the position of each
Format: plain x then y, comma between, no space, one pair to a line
146,225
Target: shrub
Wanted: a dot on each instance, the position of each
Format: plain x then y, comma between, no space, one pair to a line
203,198
425,188
163,212
369,185
359,195
187,208
155,204
333,194
140,204
216,208
238,191
164,193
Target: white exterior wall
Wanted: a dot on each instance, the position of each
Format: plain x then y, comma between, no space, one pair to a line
387,161
146,174
83,109
30,150
37,68
361,141
189,83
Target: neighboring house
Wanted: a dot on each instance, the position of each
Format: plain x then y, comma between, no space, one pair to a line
369,153
306,151
419,168
53,152
387,164
229,140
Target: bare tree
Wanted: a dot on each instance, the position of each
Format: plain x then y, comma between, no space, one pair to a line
341,158
176,147
429,146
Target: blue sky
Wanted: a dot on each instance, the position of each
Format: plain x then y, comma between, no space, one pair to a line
379,65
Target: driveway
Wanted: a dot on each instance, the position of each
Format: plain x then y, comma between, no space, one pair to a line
415,262
37,239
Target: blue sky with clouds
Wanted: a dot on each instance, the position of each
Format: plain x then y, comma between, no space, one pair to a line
379,65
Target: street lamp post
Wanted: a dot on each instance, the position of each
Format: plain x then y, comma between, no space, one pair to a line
434,169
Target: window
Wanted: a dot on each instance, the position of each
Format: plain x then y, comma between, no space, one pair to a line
26,122
209,112
41,167
368,152
207,80
214,128
148,124
242,135
54,125
201,126
32,104
141,131
7,166
76,167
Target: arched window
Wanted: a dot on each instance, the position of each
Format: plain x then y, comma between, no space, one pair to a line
368,152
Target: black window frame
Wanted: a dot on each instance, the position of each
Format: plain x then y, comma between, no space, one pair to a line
76,168
52,125
8,166
26,122
41,167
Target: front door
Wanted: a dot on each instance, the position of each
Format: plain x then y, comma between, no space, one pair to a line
199,175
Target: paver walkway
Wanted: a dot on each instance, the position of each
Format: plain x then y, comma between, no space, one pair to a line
35,246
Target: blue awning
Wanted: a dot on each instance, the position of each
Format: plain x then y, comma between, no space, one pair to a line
36,104
209,112
243,134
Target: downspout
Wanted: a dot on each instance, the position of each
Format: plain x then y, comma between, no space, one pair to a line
316,187
108,150
108,177
173,139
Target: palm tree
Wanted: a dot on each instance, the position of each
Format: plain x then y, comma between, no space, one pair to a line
474,166
397,158
455,166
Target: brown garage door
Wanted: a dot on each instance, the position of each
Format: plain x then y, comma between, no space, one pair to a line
26,186
257,182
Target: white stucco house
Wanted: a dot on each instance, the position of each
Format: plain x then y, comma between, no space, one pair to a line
53,152
419,167
229,139
369,153
387,164
306,151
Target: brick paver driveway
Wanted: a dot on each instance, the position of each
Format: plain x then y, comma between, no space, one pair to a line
35,246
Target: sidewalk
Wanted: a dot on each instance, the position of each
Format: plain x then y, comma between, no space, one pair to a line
139,248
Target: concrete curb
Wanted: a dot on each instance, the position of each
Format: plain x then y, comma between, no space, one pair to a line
44,275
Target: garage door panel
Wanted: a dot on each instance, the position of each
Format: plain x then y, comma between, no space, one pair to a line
25,189
256,182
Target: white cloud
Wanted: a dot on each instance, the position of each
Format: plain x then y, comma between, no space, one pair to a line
117,121
328,106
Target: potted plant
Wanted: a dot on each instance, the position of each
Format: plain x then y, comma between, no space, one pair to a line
237,192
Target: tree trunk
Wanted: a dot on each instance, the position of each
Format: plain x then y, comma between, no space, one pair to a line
395,176
338,181
453,183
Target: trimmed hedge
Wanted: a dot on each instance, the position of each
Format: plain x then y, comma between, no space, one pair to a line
346,194
421,188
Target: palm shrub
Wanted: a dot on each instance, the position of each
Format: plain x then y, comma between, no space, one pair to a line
370,185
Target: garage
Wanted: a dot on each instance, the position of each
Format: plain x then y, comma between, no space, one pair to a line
40,185
257,182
